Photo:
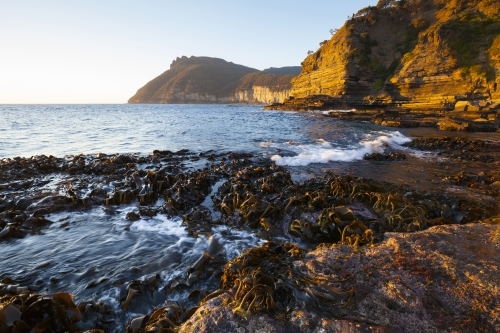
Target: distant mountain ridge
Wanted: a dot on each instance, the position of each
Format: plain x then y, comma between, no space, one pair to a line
284,70
214,80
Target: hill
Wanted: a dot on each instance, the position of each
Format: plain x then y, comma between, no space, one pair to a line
213,80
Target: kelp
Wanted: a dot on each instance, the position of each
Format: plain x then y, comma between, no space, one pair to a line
26,312
266,279
334,208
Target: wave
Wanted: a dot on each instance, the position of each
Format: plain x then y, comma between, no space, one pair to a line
160,224
328,112
323,152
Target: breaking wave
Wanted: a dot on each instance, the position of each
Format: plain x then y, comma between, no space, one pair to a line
160,224
323,151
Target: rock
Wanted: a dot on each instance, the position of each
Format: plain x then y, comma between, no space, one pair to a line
494,106
344,213
482,177
133,216
446,276
214,317
307,322
391,123
496,185
461,106
6,204
23,203
450,125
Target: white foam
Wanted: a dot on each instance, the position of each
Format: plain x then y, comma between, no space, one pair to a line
422,154
266,144
323,152
328,112
160,224
236,241
110,298
172,274
323,143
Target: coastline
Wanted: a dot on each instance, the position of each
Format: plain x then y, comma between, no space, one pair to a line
367,202
462,116
435,254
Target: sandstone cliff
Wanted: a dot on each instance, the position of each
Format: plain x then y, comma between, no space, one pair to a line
263,87
213,80
419,54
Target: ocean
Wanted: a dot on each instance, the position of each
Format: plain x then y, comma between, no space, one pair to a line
59,130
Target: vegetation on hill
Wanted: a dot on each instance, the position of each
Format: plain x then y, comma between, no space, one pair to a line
275,82
295,70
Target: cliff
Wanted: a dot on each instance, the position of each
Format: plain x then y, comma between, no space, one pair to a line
263,87
213,80
419,54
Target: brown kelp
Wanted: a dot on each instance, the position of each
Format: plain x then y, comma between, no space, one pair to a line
336,208
21,311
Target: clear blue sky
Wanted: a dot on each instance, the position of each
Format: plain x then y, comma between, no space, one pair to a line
103,51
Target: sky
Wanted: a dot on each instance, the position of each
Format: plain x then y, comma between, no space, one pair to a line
102,51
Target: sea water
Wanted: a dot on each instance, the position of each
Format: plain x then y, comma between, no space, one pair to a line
303,138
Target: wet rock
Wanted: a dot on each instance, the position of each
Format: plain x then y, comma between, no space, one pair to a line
309,322
121,159
23,203
265,282
452,125
385,157
496,185
446,276
444,143
133,216
6,204
11,231
344,213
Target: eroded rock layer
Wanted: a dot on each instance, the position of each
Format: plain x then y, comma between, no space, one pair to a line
418,54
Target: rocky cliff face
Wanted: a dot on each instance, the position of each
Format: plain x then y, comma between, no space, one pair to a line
212,80
415,53
259,94
264,87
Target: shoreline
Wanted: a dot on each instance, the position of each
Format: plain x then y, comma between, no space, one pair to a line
352,212
462,119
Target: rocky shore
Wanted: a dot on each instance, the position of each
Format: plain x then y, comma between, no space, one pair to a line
343,252
466,117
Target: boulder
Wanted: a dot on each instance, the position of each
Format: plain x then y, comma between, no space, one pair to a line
451,125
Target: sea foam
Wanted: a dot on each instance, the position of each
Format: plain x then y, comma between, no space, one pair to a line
160,224
323,152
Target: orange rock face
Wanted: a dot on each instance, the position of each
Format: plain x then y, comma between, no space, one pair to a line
420,54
